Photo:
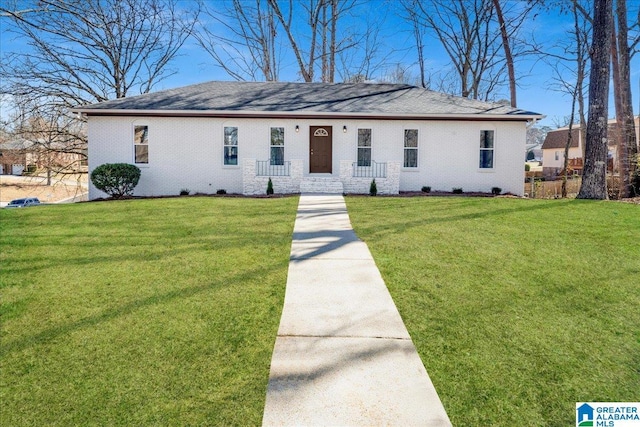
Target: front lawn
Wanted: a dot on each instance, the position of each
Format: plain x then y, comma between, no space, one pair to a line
518,308
165,312
144,312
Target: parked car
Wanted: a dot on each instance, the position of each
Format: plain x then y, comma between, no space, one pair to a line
23,203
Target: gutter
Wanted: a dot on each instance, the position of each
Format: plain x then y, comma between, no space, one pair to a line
525,116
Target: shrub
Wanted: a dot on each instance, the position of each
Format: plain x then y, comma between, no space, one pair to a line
373,188
221,191
269,187
496,191
116,179
527,167
184,192
426,189
457,190
29,170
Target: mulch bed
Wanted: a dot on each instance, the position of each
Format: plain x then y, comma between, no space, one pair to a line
635,200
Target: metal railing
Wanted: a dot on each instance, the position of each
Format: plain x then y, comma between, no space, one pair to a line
265,168
376,170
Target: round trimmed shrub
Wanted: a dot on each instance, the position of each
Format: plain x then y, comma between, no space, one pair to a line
116,179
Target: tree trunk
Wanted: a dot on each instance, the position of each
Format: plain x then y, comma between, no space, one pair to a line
629,149
305,71
566,154
325,51
621,146
332,50
507,53
568,145
594,179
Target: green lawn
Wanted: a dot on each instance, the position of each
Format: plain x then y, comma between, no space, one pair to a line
518,308
145,312
164,312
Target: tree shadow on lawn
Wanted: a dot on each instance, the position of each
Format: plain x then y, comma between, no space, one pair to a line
92,252
400,225
131,307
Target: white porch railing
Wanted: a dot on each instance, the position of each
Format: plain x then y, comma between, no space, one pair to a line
375,170
265,168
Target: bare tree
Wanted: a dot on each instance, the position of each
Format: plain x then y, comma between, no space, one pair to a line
328,27
322,18
248,38
53,137
366,58
92,50
306,63
81,52
247,48
367,53
568,61
480,37
594,183
464,28
400,74
412,16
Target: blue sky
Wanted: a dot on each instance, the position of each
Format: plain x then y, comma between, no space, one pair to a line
536,87
535,91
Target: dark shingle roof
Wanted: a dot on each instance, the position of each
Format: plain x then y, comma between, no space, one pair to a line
558,138
305,98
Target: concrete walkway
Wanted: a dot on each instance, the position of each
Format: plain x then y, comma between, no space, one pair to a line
343,356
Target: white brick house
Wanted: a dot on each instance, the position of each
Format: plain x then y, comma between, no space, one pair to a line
309,137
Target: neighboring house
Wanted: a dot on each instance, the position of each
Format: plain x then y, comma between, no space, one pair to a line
309,137
556,140
14,157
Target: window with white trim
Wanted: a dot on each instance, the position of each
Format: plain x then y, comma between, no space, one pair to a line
141,144
486,149
231,145
364,147
277,146
411,148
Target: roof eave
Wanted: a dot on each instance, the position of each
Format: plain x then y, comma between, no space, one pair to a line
526,116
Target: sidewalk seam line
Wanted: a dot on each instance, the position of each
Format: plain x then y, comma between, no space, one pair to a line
344,336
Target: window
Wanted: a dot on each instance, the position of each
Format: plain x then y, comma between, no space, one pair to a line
486,149
364,147
230,145
277,146
411,148
557,155
141,144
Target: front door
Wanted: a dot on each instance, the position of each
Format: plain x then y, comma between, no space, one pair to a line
320,149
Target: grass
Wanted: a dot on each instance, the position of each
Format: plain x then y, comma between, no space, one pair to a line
146,312
164,312
518,308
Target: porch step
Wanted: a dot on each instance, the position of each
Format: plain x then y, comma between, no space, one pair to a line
321,185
